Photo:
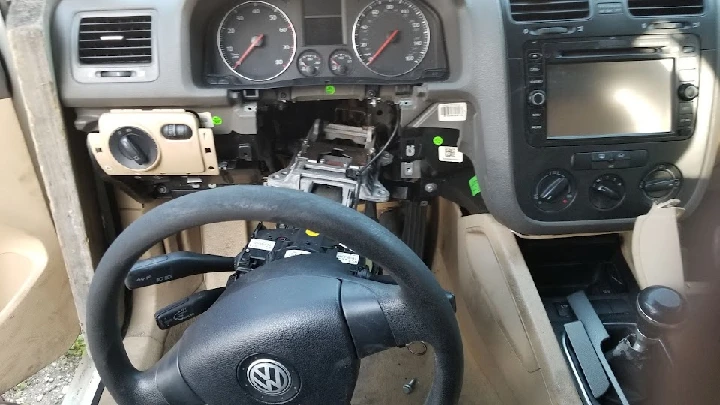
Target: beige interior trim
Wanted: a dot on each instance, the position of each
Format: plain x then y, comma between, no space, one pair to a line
501,314
144,340
194,156
655,247
40,111
38,321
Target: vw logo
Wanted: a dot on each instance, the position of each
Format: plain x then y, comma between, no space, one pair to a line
269,377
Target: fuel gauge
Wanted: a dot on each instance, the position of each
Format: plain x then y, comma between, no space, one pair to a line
310,63
341,63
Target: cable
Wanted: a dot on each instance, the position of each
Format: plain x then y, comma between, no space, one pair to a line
358,185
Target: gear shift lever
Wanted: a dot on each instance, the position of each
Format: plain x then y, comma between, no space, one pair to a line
659,309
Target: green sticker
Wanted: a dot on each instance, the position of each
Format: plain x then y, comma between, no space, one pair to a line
217,120
474,186
330,90
438,140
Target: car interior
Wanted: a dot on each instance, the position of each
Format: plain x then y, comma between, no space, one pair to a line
358,201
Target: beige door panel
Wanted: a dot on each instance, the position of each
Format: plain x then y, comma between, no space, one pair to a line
38,321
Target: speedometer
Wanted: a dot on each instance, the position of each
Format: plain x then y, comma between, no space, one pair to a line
257,41
391,37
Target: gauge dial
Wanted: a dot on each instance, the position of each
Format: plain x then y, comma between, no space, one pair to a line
341,63
257,41
391,37
310,63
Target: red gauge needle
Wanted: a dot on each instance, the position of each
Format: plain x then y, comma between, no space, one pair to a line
383,46
255,42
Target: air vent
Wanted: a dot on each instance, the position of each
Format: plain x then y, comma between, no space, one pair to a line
650,8
115,40
549,10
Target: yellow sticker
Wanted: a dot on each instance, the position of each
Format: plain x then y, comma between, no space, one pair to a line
311,233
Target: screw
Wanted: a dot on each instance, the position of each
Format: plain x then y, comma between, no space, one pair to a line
431,188
409,387
162,189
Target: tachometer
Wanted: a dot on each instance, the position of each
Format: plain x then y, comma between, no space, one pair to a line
391,37
257,41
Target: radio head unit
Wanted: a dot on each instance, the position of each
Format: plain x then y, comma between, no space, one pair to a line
622,89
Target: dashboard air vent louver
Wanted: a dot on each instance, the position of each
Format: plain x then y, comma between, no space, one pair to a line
549,10
649,8
115,40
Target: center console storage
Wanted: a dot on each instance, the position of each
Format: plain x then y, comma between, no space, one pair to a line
614,349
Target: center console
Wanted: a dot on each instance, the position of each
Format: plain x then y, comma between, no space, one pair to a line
606,110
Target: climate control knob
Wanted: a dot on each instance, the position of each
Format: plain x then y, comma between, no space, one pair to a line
555,191
662,183
607,192
537,98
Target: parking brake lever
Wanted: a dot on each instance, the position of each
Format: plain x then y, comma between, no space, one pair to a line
173,266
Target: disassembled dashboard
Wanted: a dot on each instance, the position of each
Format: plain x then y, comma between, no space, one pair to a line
569,117
270,43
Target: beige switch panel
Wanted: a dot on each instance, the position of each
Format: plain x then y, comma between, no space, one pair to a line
195,155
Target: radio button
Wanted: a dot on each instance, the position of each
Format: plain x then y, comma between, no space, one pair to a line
603,157
688,75
622,155
537,116
535,69
537,82
534,56
686,108
537,98
686,121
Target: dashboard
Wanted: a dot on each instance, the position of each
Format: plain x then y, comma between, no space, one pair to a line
577,116
310,42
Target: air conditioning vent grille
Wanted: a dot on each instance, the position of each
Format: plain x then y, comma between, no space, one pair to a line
115,40
549,10
650,8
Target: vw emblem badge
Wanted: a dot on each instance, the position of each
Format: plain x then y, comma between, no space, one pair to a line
269,377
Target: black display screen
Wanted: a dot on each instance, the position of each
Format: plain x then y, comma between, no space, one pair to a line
323,23
610,98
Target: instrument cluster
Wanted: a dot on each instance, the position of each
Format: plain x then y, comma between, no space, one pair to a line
275,43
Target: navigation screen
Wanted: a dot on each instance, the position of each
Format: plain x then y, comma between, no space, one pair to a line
610,98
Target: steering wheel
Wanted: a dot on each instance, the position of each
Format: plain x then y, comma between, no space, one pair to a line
291,332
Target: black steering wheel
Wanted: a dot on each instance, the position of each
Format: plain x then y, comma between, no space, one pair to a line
291,332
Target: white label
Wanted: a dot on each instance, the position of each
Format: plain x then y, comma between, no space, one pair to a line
293,253
450,154
262,244
348,258
452,112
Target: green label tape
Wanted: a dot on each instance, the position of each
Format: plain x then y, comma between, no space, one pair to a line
330,90
438,140
217,120
474,186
